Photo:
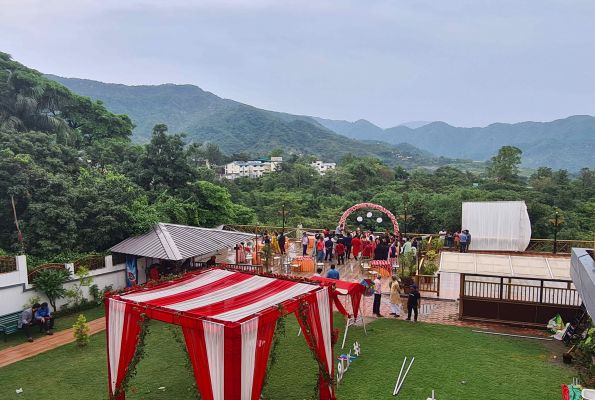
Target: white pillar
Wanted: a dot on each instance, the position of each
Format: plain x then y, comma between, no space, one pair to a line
22,270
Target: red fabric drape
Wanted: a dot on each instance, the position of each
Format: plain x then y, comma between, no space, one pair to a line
130,332
315,340
355,300
338,304
243,300
263,347
200,291
195,342
233,363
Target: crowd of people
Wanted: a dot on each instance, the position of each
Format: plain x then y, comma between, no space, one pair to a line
457,240
343,245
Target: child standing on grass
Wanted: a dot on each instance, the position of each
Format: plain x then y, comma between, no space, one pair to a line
413,302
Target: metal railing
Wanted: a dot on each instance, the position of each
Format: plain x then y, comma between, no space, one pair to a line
562,246
535,245
7,264
91,262
290,230
33,273
540,292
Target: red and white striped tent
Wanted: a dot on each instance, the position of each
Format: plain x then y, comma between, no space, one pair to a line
228,319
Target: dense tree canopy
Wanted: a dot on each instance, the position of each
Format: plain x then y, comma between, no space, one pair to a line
79,185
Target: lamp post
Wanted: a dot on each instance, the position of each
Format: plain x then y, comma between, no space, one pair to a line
283,212
405,218
556,221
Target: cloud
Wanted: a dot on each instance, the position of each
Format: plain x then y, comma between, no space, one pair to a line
467,62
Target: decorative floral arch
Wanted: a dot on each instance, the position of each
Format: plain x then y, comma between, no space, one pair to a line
370,205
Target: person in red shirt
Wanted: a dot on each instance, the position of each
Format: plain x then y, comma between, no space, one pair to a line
320,249
356,247
367,250
340,250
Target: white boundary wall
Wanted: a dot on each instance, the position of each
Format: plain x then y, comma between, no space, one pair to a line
15,291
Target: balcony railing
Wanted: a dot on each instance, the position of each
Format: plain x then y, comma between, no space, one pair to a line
7,264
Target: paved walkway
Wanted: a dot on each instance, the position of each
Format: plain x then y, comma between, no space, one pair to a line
45,343
446,312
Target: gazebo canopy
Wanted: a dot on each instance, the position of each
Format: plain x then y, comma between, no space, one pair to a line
228,319
506,266
179,242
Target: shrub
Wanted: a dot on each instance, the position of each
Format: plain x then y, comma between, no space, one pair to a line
51,283
81,331
31,302
99,295
76,293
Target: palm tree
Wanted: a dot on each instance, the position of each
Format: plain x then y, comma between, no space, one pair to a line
26,106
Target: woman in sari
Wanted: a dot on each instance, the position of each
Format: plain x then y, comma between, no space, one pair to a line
241,254
367,252
275,243
356,247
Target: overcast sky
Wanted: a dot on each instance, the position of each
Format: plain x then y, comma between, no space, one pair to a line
465,62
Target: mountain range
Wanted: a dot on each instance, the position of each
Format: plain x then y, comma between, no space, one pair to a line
566,143
236,127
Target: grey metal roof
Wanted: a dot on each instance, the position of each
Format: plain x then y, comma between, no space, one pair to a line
178,242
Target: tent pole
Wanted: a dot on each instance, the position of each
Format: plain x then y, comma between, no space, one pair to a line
363,319
345,335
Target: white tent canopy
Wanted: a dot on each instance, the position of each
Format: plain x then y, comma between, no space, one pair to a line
497,225
506,266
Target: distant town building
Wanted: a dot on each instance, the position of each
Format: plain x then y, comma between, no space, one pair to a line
252,169
321,167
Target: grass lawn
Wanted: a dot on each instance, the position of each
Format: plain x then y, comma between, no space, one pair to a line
493,367
61,324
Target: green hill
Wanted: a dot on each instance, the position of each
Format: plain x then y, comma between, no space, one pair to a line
233,126
565,143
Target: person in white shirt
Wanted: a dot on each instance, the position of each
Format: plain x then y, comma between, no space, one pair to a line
305,242
377,295
442,234
318,272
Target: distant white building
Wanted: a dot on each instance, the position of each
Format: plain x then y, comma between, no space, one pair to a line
321,167
252,169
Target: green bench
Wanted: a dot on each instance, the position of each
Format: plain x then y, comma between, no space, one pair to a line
9,323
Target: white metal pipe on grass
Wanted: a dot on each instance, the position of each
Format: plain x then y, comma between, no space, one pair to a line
399,388
507,334
399,378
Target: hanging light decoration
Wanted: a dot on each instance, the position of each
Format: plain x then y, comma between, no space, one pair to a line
369,215
379,219
359,219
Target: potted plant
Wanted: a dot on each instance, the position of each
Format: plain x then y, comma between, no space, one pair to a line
407,270
267,254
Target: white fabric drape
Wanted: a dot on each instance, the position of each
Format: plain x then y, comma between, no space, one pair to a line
238,314
325,323
194,283
214,342
249,285
249,336
497,225
116,325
